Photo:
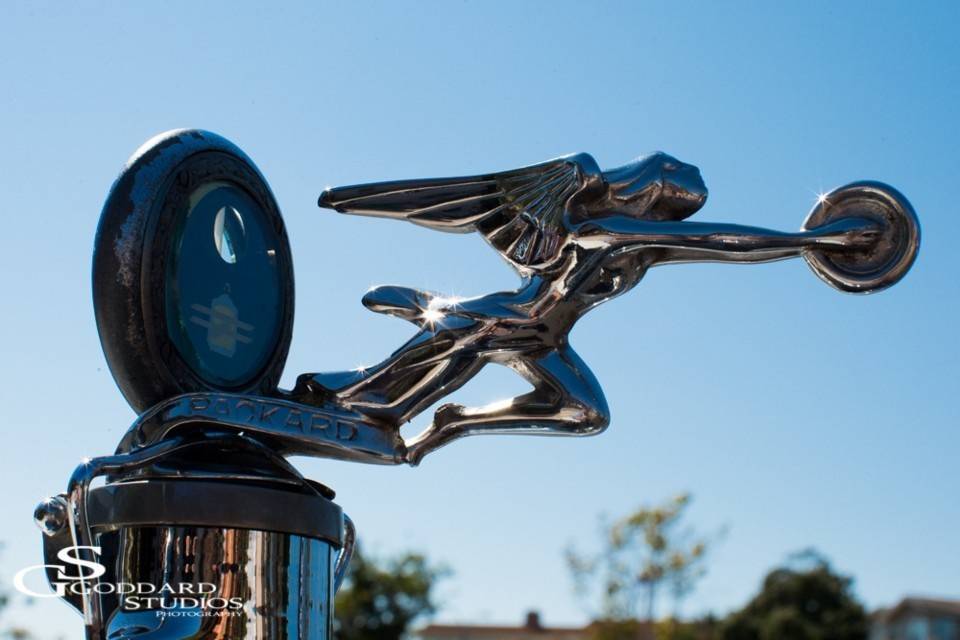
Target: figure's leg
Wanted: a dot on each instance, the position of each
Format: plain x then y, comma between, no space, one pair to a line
450,348
433,363
402,395
401,302
566,400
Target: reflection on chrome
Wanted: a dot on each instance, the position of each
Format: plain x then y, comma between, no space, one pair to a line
263,582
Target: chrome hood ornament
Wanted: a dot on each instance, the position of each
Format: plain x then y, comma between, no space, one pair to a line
577,237
193,286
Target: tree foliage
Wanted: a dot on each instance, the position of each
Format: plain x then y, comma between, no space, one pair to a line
647,550
802,600
381,599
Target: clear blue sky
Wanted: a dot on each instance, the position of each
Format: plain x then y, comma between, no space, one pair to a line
797,415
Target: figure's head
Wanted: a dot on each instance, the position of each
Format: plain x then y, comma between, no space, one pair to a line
656,187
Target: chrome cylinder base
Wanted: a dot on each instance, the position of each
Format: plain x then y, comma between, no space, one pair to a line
174,559
217,584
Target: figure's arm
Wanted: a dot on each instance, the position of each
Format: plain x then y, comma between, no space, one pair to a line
708,241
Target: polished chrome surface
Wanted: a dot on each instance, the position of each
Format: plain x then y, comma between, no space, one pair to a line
577,237
887,259
268,586
293,428
52,515
255,584
346,553
82,531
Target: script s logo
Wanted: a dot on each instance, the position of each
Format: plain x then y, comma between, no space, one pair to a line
70,556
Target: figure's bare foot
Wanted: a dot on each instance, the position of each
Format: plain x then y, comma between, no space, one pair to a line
448,415
444,429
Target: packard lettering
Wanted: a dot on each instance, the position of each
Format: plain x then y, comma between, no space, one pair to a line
260,412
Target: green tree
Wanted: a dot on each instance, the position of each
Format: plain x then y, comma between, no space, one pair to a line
381,599
803,600
643,553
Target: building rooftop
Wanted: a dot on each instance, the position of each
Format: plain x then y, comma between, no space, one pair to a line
532,628
928,606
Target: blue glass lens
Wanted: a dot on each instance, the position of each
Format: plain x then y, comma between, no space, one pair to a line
224,301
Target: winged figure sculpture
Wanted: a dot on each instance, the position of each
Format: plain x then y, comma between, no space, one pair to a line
577,236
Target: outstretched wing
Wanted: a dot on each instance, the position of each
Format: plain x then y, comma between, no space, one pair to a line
521,213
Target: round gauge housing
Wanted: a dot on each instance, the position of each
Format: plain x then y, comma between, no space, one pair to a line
192,273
